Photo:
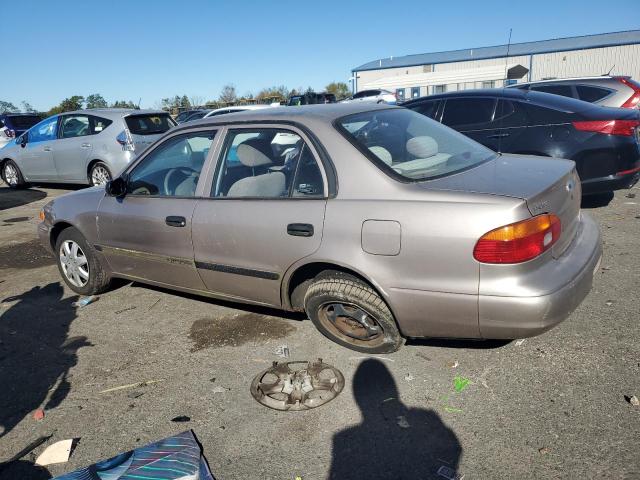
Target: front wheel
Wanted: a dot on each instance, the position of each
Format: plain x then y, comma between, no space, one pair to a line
99,175
349,312
12,175
79,265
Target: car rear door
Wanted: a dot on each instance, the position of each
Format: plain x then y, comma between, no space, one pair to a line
264,212
147,234
471,116
36,157
73,147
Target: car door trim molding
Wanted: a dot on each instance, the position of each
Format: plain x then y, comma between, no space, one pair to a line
157,257
247,272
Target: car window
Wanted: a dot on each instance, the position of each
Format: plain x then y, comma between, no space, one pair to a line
564,90
23,122
468,113
430,108
267,163
173,168
44,131
589,93
540,115
510,114
149,124
74,126
411,146
99,124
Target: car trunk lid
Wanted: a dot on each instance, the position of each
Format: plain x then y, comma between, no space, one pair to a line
547,185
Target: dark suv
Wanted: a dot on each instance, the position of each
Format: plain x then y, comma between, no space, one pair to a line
311,98
604,142
13,125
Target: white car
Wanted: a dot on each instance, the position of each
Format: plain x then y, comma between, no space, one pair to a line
234,109
5,136
373,96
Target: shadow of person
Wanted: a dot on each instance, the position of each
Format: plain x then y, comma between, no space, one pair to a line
22,469
393,441
35,353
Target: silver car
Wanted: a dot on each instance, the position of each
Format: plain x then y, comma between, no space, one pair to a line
373,96
85,146
376,221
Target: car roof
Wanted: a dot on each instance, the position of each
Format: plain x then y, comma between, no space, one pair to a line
303,114
572,79
114,113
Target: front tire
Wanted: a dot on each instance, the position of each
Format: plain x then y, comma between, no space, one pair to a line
99,174
12,175
79,265
349,312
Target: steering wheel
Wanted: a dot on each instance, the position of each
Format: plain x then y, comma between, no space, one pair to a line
186,171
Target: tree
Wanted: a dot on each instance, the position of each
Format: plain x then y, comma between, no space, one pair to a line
273,94
124,104
184,102
68,104
26,107
196,100
96,100
339,89
228,94
7,107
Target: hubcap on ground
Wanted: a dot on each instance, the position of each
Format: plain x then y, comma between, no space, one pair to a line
351,323
100,175
74,263
10,174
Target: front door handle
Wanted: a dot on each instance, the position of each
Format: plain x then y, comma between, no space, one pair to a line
300,229
85,145
176,221
46,149
498,135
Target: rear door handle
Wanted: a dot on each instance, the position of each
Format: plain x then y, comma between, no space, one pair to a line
46,149
498,135
86,145
300,229
176,221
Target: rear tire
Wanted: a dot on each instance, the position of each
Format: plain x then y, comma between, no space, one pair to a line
99,174
12,175
79,265
349,312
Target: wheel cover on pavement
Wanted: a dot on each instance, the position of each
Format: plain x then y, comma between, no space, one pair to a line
74,263
99,175
310,385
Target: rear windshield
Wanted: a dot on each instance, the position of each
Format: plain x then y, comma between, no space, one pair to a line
149,124
410,146
22,122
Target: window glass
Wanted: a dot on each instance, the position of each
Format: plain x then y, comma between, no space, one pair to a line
468,112
591,94
44,131
564,90
546,116
173,168
489,84
405,143
415,92
23,122
400,94
74,126
99,124
510,114
430,108
439,88
267,163
149,124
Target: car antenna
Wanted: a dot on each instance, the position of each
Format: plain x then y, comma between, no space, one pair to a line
139,102
504,85
609,72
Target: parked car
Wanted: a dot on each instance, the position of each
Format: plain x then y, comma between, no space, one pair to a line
85,146
378,222
13,125
234,109
182,116
311,98
602,141
606,91
197,115
374,96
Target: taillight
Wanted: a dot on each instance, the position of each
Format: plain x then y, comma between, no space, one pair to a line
125,140
634,100
520,241
610,127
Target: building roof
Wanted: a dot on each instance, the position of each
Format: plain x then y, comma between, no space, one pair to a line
543,46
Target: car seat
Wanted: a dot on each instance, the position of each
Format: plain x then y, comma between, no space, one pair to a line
269,184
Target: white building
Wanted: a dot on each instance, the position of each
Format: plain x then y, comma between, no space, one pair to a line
413,76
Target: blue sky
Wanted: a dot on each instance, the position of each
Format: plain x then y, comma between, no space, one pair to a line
153,49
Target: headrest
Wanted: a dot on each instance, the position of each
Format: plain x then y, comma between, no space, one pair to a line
250,155
422,147
382,153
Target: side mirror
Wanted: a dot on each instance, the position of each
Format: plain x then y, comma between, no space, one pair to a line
116,187
23,140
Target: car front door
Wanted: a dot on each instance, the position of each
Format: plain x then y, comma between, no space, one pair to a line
146,234
73,147
265,212
36,156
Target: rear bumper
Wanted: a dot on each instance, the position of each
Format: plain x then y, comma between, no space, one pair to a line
508,317
612,182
